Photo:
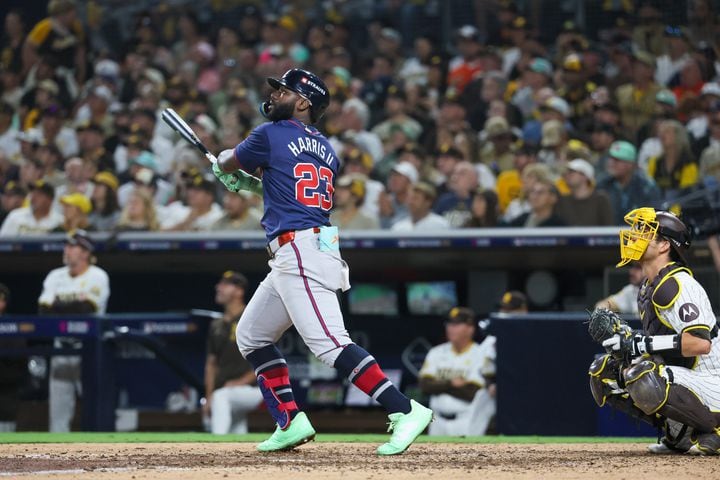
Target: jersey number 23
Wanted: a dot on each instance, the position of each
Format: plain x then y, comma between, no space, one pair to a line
314,185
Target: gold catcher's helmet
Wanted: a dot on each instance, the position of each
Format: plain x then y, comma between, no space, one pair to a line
645,223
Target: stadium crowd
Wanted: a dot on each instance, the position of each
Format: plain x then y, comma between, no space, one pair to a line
508,123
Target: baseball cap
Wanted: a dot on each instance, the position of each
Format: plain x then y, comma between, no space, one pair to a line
552,131
450,151
468,32
541,65
667,97
711,88
49,86
407,170
81,238
513,300
558,104
355,155
582,166
201,183
461,315
356,184
77,200
236,278
496,126
572,63
107,69
426,189
103,92
624,151
108,179
43,186
13,188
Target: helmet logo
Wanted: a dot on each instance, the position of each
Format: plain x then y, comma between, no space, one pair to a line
313,84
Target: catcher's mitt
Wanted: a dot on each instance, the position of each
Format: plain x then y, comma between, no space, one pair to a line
605,323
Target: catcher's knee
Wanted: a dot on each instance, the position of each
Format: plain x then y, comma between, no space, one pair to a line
647,387
603,371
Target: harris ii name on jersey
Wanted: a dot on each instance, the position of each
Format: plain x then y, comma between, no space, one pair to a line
312,145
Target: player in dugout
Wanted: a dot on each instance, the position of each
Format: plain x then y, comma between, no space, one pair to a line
79,287
667,373
455,375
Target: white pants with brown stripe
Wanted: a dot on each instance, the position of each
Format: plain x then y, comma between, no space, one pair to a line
300,290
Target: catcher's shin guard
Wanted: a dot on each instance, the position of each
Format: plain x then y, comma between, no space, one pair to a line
604,385
685,407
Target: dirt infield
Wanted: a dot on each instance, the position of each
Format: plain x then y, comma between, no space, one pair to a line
348,461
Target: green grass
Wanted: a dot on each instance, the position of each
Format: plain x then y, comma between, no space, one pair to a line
162,437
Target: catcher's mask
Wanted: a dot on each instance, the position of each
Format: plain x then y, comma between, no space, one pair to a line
645,223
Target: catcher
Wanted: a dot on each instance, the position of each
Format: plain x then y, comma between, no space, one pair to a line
667,374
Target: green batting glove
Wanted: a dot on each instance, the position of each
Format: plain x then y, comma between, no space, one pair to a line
238,181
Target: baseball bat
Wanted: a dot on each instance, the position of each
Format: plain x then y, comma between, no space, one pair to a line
176,122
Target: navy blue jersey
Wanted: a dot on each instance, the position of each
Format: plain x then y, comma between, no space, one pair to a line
299,169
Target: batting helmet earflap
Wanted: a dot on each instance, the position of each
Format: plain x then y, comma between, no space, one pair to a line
307,85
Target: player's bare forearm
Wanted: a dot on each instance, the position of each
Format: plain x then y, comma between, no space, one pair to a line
693,346
466,392
210,371
228,162
246,379
433,386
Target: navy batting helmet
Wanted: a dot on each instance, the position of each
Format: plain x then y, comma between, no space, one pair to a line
307,85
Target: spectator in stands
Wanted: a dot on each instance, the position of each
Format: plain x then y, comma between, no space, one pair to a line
455,204
421,217
51,130
509,183
446,159
393,202
13,371
348,200
676,168
354,127
230,385
537,75
542,197
61,35
626,185
457,376
77,178
203,211
601,137
497,151
105,207
483,210
637,99
76,208
530,175
396,117
467,64
575,88
626,300
356,161
79,287
584,206
35,219
9,143
554,145
238,213
12,197
677,53
139,214
513,301
91,138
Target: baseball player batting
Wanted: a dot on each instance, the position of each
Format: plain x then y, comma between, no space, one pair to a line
667,374
299,168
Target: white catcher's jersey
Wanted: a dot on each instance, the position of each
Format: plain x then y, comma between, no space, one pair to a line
93,285
692,310
443,363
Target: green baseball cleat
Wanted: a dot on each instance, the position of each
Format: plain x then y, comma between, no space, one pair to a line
300,431
405,428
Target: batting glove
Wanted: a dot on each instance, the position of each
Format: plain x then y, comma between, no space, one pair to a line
238,181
